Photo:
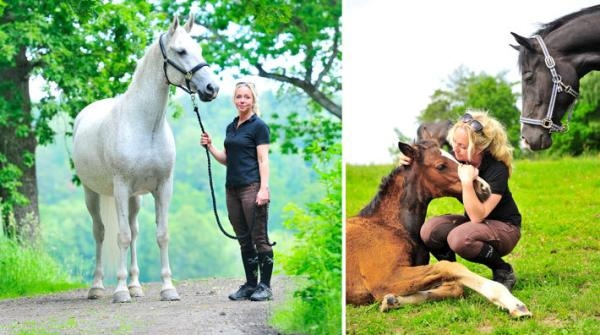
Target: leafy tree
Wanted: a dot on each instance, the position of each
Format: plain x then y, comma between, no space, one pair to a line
83,51
467,90
293,42
584,127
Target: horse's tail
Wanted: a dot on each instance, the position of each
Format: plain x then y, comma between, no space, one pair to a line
110,247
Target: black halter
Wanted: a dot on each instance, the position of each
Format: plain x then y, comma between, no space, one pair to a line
188,74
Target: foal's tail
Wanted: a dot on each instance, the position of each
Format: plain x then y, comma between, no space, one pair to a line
110,247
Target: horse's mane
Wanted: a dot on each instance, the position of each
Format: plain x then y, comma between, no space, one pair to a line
547,28
388,181
551,26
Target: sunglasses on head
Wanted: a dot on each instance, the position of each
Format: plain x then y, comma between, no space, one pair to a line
475,125
244,83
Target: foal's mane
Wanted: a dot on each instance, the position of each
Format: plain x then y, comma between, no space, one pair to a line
551,26
388,181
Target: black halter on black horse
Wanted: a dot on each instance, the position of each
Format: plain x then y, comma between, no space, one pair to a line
552,62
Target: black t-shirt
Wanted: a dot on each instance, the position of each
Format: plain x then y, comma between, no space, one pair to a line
240,146
496,174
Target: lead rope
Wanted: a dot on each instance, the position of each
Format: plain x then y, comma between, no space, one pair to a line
212,189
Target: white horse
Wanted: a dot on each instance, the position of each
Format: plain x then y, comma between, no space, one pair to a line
123,148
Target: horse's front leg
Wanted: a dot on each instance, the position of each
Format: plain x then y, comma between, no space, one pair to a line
162,198
92,202
135,288
122,194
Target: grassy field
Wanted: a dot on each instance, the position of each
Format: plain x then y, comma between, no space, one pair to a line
557,260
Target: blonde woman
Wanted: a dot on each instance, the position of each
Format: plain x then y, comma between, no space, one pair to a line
487,230
246,156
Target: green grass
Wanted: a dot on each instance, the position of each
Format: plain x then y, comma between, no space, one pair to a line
27,271
557,260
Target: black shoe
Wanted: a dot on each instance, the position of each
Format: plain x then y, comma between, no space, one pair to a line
243,293
505,277
262,293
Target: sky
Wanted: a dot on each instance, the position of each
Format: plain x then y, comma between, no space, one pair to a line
397,53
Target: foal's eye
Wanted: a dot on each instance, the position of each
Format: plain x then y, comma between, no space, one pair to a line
181,52
441,167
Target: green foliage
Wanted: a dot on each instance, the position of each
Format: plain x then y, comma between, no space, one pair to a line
467,90
556,260
584,128
316,257
294,42
28,271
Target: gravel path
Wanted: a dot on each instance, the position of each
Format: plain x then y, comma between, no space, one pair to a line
203,309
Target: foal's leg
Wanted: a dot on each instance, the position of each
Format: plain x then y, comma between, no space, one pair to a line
135,289
448,289
92,202
122,195
162,198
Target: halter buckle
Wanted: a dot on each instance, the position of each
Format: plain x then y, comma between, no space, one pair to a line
547,123
189,75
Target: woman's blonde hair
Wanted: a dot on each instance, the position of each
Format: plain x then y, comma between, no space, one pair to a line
491,138
252,88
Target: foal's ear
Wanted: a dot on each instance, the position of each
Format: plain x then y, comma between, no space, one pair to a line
190,23
174,25
524,41
407,150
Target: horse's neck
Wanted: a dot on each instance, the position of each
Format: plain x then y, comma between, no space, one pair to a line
145,100
579,40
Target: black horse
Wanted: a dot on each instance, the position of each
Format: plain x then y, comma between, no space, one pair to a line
552,62
437,130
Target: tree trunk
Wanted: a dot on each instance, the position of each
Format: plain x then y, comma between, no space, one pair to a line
23,223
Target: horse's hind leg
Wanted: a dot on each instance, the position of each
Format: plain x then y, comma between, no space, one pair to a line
162,197
135,289
92,202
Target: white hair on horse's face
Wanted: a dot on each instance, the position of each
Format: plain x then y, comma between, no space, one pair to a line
449,156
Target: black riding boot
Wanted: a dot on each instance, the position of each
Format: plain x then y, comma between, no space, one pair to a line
502,271
263,290
250,261
444,255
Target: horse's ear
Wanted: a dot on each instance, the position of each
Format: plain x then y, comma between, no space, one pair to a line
174,25
407,150
516,47
425,134
190,23
524,41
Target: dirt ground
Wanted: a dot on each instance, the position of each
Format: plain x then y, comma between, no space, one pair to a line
203,309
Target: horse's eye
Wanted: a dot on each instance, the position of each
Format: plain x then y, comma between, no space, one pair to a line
441,167
181,52
528,76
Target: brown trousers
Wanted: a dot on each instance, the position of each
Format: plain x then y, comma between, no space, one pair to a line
244,213
466,238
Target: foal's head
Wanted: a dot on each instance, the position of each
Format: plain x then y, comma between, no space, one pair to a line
436,171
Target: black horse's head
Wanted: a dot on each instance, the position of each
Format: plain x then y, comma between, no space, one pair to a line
549,88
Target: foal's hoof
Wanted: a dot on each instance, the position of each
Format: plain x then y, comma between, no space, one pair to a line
121,296
520,312
136,291
169,295
95,293
389,300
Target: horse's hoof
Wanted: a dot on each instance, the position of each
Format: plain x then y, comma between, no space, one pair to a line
95,293
136,291
121,296
169,295
520,312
